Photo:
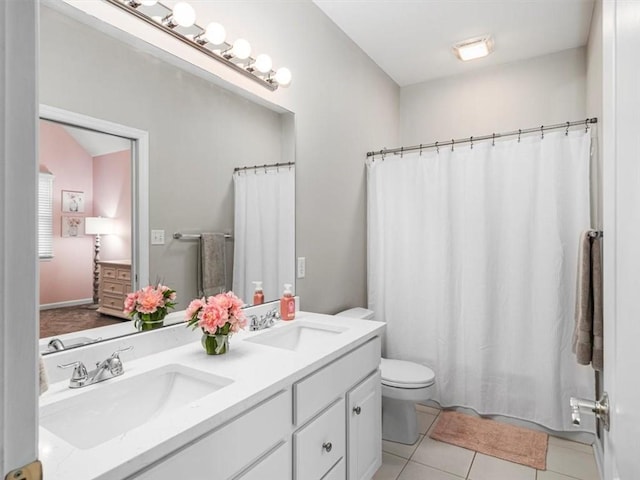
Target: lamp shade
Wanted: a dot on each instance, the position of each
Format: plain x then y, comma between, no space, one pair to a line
98,226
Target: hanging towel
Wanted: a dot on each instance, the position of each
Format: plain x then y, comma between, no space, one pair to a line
212,265
587,334
42,371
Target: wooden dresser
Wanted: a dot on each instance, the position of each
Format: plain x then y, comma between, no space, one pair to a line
115,284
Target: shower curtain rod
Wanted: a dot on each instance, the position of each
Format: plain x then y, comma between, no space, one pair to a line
541,129
258,167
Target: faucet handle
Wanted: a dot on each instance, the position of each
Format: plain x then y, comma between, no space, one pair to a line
117,353
79,371
114,363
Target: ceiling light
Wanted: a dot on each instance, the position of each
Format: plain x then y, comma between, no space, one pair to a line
263,63
474,48
182,14
241,49
283,76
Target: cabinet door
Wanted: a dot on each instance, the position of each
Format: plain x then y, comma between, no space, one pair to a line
364,430
276,464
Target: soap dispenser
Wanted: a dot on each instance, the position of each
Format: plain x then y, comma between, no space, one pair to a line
258,294
287,304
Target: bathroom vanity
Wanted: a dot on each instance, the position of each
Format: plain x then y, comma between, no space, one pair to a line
300,400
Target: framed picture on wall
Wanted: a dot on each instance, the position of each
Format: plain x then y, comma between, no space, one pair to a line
72,226
72,202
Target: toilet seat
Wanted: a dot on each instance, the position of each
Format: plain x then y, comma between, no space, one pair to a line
403,374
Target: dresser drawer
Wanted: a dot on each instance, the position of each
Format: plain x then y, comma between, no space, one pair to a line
275,464
113,288
113,303
321,444
124,274
319,389
109,272
225,452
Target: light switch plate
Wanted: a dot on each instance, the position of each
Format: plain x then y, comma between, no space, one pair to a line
157,237
302,267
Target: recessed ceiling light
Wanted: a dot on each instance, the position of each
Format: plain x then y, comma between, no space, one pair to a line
474,48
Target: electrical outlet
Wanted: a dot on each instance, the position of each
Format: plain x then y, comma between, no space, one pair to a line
302,267
157,237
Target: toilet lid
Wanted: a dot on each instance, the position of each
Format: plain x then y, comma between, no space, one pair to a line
398,373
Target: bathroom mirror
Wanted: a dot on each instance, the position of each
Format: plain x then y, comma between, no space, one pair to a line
198,134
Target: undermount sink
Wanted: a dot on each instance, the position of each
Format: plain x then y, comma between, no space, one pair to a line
299,336
107,410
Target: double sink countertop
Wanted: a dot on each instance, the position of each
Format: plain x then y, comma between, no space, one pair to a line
257,366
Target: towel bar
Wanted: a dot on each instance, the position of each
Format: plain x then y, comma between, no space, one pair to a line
193,236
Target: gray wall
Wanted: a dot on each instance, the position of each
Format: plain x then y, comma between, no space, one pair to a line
198,133
344,105
539,91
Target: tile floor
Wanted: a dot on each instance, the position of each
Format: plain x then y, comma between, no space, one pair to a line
429,459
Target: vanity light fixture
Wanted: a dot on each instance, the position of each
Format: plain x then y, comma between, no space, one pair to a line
179,22
474,48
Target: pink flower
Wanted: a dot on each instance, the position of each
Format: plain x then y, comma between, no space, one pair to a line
212,316
130,303
194,306
149,300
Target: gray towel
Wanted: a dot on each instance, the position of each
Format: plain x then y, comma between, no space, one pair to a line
587,334
212,265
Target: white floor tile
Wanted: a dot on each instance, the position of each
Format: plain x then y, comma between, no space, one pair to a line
572,463
400,449
390,468
549,475
443,456
425,420
415,471
427,409
561,442
491,468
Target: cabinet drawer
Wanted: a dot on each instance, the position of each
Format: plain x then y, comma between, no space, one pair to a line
319,389
113,288
321,444
226,451
108,272
124,274
338,472
113,303
276,464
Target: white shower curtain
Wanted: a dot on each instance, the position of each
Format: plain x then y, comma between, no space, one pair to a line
264,231
472,265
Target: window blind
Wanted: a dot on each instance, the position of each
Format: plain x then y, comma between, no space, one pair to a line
45,216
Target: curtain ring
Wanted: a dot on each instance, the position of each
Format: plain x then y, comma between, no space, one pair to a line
420,149
493,139
401,152
453,142
566,132
265,168
542,132
586,125
519,134
437,148
471,140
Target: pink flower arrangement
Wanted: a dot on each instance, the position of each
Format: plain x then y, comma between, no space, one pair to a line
217,315
150,303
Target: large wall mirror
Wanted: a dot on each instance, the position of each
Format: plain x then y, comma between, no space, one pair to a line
203,142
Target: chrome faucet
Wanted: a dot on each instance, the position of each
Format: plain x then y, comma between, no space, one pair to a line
55,345
109,368
265,321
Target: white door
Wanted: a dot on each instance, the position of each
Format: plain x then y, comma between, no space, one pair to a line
621,137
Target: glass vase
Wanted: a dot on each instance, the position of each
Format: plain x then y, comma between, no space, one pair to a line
215,344
149,321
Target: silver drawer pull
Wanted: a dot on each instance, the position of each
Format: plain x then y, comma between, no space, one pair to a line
327,446
357,410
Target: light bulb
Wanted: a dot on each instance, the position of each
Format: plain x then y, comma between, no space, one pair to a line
215,33
283,76
263,63
241,49
184,14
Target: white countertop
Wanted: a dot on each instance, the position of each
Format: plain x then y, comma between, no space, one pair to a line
258,372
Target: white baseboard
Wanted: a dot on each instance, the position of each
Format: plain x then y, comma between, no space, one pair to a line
70,303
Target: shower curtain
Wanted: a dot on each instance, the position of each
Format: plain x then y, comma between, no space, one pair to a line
264,231
472,265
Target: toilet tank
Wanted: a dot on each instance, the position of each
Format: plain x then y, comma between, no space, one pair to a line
358,312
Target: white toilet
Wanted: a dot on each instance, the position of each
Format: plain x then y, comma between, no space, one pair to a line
403,384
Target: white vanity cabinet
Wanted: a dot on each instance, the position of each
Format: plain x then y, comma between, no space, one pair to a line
364,428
